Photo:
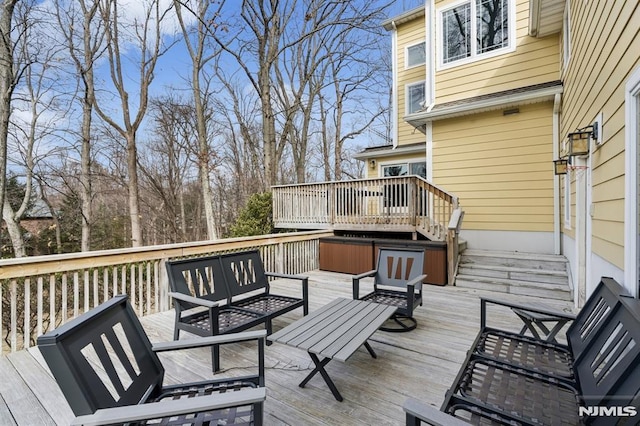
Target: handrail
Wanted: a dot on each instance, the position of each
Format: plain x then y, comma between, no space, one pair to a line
39,293
400,203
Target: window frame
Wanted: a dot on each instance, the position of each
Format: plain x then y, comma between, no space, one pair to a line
474,57
407,100
406,55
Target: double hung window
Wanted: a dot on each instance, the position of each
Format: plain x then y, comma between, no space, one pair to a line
416,54
415,97
474,28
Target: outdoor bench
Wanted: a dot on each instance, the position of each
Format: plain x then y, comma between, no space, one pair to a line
510,378
227,293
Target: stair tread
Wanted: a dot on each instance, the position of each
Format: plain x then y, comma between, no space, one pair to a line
515,255
520,283
504,268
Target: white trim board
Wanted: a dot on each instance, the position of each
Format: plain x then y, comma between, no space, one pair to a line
632,128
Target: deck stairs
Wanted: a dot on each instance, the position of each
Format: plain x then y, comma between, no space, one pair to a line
530,274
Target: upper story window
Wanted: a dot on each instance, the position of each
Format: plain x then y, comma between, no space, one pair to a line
416,54
475,28
415,94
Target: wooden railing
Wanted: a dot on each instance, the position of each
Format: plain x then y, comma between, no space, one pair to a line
40,293
399,204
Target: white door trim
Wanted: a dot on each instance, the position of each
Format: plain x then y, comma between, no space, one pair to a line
632,128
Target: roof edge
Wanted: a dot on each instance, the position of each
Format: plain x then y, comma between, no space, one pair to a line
407,16
486,103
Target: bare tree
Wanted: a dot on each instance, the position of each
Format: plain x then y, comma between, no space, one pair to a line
82,31
7,85
37,102
147,37
195,39
168,165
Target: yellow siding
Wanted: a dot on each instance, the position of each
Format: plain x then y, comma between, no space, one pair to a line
603,53
499,166
408,34
534,61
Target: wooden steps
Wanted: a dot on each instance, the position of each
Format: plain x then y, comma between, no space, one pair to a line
531,274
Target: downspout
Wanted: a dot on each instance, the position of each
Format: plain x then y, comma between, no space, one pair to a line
557,226
394,82
430,90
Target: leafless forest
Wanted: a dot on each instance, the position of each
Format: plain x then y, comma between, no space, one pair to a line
149,122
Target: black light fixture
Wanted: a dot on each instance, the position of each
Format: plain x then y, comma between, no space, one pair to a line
560,166
578,141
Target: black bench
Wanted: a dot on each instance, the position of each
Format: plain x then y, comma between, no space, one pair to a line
510,378
227,293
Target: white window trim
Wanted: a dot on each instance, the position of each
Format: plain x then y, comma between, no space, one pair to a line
383,164
406,95
406,55
474,56
566,37
632,127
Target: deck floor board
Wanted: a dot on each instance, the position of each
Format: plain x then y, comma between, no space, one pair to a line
421,364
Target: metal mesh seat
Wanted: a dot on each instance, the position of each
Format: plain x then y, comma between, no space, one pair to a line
526,352
519,398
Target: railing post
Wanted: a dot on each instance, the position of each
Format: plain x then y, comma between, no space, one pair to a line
331,200
163,284
453,254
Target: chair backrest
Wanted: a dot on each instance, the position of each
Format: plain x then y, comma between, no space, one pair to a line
396,266
200,277
594,314
102,358
608,370
244,272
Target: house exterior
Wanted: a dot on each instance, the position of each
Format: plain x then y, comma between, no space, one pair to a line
486,93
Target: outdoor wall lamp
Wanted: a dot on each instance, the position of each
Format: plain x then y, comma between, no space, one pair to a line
579,140
372,164
560,166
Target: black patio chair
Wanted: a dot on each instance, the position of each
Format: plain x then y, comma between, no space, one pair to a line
397,281
109,372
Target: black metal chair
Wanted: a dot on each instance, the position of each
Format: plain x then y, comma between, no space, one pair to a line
109,372
397,281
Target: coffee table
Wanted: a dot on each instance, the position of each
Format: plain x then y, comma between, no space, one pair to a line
335,331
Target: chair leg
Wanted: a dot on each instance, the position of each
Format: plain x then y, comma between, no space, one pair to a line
258,413
403,323
176,333
215,358
269,330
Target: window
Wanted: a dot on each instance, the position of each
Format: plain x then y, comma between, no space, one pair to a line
404,169
416,54
474,29
415,97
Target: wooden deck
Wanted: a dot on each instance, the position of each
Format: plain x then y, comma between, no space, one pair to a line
421,363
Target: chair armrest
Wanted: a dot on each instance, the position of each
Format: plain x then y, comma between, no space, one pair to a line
417,281
528,308
209,341
418,412
365,274
355,282
169,408
193,300
290,276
